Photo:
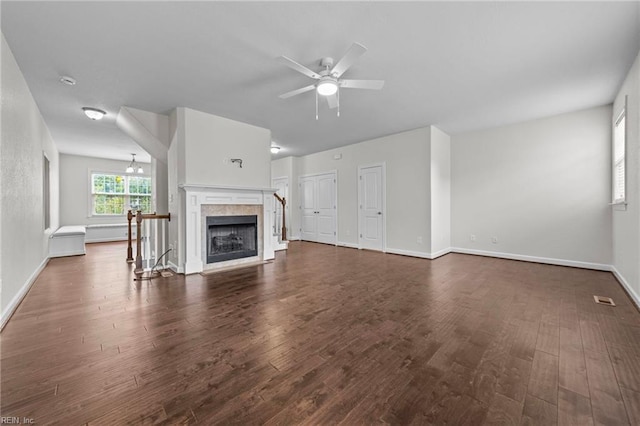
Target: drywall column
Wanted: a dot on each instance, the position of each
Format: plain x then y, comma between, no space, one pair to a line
440,192
159,189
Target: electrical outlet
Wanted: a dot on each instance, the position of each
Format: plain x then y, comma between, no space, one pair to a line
419,240
494,240
472,237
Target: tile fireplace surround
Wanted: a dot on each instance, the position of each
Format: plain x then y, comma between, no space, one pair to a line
206,200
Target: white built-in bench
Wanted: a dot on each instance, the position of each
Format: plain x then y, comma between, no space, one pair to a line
103,232
67,241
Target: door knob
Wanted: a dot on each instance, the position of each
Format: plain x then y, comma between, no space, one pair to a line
379,212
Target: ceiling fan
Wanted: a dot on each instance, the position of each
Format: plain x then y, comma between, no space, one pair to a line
328,79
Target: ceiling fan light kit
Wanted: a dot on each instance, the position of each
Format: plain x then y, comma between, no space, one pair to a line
327,86
329,81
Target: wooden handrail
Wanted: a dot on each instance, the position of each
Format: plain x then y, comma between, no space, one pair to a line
139,218
283,201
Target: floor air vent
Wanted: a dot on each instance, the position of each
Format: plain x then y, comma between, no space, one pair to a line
604,300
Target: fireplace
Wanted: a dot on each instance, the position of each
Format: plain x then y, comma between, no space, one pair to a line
231,237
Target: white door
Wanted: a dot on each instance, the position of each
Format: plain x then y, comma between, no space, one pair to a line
326,208
371,217
282,184
318,208
308,217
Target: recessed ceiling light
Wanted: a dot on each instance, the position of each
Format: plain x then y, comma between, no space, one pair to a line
94,113
69,81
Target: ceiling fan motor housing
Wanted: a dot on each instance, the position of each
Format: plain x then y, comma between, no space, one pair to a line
326,63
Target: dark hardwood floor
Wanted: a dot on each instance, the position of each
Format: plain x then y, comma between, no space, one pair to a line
323,335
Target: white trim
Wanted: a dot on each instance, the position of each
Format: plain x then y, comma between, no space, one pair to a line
441,253
408,253
534,259
419,254
634,296
17,299
348,245
174,268
196,187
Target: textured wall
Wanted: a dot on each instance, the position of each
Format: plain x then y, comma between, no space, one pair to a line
25,138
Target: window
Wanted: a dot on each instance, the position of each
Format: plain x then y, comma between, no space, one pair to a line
46,192
619,142
115,194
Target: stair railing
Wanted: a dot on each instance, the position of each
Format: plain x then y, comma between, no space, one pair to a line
283,231
152,232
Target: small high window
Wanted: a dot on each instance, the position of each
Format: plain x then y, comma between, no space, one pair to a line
46,192
619,145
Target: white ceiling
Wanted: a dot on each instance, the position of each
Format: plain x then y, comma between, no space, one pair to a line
458,66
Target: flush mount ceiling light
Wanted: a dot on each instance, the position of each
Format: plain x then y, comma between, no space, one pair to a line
134,166
69,81
94,113
328,86
275,149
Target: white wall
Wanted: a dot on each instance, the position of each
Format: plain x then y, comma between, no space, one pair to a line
440,192
407,187
25,138
211,141
75,188
626,222
541,187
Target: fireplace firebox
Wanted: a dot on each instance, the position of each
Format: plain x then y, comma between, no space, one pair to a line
231,237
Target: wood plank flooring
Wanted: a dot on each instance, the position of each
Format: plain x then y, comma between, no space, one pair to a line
323,335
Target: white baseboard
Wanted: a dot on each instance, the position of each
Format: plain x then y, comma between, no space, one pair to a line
408,253
105,240
440,253
175,268
349,245
535,259
17,299
634,296
419,254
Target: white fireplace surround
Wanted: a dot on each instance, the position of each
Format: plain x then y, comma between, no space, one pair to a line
198,195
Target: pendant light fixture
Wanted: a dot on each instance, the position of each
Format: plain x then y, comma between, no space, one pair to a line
134,166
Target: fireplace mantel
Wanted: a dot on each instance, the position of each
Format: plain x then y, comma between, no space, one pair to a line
197,195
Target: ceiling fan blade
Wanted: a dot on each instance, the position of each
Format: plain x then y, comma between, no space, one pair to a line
296,66
297,92
355,51
362,84
332,100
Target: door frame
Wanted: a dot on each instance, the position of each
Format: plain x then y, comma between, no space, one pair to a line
335,200
383,165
